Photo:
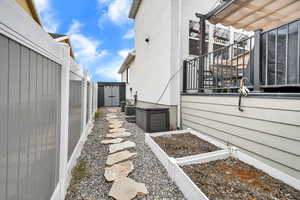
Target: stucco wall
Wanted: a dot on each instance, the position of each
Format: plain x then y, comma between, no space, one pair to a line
131,77
153,59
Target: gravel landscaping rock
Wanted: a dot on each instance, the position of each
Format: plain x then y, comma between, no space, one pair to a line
184,144
147,168
231,179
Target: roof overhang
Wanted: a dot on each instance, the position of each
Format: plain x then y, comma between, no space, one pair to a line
253,15
65,39
128,60
134,8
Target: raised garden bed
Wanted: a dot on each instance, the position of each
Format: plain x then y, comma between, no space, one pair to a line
224,174
185,144
232,179
168,161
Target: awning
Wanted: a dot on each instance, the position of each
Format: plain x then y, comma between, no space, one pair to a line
252,15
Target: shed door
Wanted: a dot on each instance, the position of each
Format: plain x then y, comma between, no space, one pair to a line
111,96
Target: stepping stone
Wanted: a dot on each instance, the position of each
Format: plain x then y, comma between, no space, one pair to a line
112,117
118,171
118,135
115,126
118,157
121,146
126,189
115,121
113,141
117,130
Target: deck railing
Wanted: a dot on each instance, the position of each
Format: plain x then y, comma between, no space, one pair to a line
220,70
266,60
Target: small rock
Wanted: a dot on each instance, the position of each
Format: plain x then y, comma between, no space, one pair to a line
122,146
118,171
126,189
118,157
113,141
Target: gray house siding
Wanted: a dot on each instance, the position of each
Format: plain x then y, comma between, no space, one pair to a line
268,129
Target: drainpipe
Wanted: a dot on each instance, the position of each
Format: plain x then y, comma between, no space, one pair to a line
179,49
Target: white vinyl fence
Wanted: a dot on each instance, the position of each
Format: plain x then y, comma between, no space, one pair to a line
47,103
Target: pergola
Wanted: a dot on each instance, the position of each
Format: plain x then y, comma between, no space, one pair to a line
252,15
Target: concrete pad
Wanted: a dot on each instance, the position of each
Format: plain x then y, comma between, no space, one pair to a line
118,157
118,171
113,141
117,135
116,130
121,146
126,189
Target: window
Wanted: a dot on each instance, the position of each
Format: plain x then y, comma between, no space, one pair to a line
221,35
194,35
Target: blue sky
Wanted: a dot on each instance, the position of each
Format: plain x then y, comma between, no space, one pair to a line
101,33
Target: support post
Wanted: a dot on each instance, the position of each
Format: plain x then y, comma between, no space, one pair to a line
184,76
64,117
202,31
257,60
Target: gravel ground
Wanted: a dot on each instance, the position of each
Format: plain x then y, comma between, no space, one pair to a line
185,144
231,179
147,168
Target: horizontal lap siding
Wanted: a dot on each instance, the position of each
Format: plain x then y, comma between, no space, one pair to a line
268,129
29,133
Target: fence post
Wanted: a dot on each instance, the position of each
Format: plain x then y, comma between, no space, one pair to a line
184,76
257,60
64,123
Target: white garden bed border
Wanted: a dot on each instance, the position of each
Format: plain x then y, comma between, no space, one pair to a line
184,182
168,162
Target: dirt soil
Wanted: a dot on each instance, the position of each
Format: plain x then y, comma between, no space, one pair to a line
231,179
186,144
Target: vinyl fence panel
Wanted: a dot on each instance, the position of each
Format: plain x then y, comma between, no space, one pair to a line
29,121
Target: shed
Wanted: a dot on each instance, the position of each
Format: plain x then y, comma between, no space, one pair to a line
110,94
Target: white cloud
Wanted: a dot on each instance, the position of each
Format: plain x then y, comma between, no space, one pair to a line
86,48
118,11
110,70
123,53
129,34
47,15
103,1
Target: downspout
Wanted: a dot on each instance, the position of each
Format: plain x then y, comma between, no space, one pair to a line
179,113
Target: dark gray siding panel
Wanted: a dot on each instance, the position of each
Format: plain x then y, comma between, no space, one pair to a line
3,113
100,96
88,102
75,112
13,121
29,123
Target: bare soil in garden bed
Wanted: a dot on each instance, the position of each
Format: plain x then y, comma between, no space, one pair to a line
185,144
231,179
